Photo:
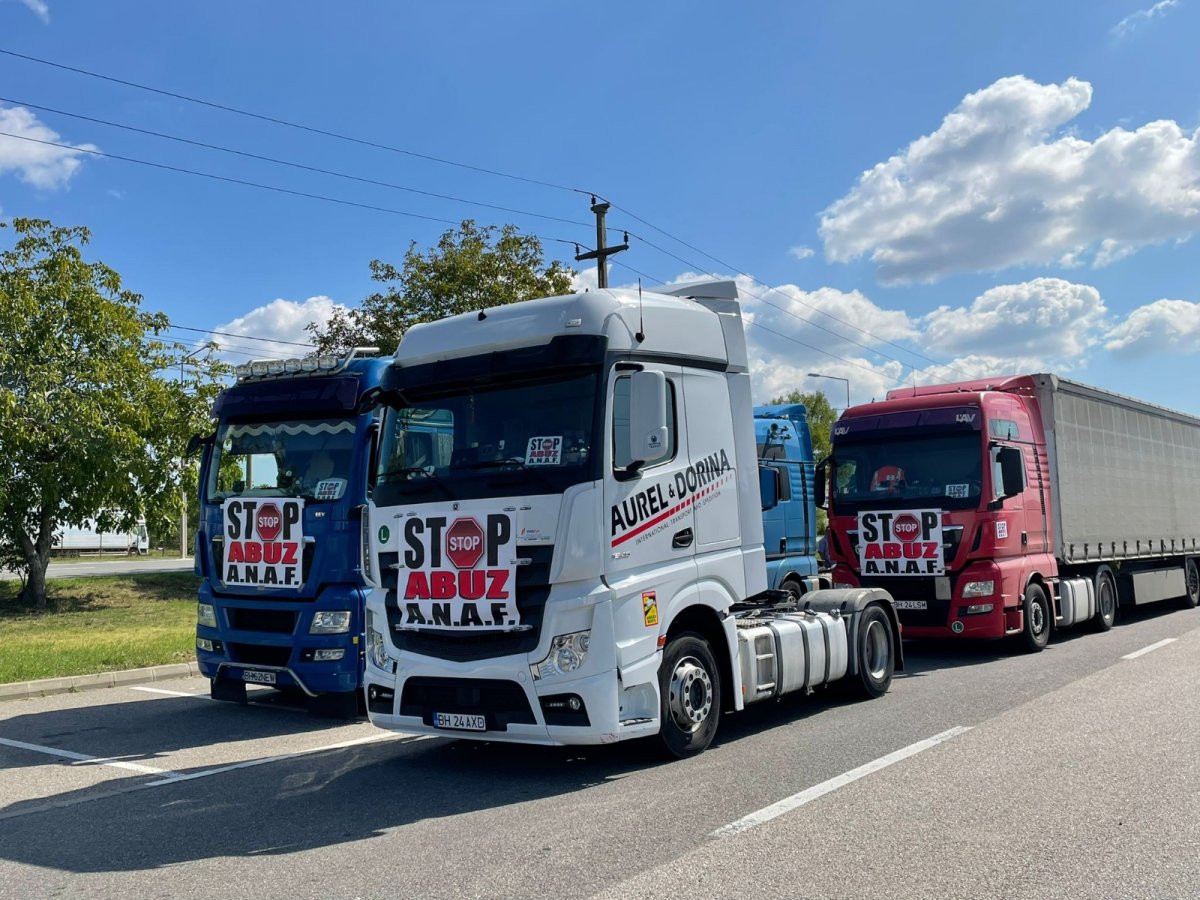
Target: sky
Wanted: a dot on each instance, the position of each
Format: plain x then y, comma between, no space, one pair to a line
906,193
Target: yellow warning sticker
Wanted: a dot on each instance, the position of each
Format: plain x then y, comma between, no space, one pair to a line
650,608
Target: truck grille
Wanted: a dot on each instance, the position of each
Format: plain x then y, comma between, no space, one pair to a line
502,703
275,621
533,588
914,588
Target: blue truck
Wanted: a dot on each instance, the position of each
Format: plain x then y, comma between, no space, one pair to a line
283,487
790,526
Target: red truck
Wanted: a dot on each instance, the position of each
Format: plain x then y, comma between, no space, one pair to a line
1013,506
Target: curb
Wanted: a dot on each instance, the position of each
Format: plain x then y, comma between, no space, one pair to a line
44,687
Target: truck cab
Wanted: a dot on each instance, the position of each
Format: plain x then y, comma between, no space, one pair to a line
926,503
283,486
790,526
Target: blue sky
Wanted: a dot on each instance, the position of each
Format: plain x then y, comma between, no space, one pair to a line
1032,169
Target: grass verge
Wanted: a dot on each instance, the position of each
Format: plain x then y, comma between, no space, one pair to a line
98,625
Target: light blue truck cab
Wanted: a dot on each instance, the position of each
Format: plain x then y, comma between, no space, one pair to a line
283,486
789,527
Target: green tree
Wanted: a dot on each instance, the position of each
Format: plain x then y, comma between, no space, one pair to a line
88,429
471,268
821,416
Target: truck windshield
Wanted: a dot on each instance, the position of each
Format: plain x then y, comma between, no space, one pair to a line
495,440
309,458
942,470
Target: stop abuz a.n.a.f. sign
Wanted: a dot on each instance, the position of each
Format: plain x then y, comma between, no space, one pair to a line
901,542
457,571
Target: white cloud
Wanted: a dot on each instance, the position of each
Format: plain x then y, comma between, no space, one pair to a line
801,252
999,184
39,8
281,323
40,165
1130,23
1048,319
1164,325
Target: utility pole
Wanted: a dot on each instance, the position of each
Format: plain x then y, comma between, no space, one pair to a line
602,252
183,504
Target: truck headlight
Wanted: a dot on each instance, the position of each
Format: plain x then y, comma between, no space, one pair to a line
206,615
330,621
977,608
979,589
377,648
328,654
567,653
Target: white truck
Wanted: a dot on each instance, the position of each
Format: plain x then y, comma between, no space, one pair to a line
72,540
578,559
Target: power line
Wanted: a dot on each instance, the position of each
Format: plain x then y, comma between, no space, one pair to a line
284,122
295,165
245,337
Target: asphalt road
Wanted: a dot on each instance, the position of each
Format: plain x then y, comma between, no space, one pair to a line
1070,773
129,565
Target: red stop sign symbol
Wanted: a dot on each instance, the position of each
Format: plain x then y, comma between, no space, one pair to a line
906,527
269,521
464,543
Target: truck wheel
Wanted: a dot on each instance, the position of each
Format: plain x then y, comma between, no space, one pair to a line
337,705
1106,600
689,683
1191,575
229,691
875,655
793,587
1036,635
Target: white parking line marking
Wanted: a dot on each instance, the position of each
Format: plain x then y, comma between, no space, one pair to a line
112,761
146,690
174,778
767,813
1136,653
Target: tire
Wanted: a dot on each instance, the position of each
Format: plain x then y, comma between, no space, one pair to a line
1106,600
875,653
794,588
1038,619
689,683
338,705
227,690
1191,578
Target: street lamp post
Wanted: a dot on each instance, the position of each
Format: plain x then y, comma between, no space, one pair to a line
835,378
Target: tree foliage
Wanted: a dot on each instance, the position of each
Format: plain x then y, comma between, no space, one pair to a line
471,268
821,416
88,429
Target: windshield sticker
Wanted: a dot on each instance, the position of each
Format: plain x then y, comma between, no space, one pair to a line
1001,530
544,451
291,428
901,543
263,543
958,491
457,573
330,489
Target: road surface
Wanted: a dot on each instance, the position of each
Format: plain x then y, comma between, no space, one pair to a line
130,565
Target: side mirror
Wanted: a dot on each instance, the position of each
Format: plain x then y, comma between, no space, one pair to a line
195,443
819,483
768,487
647,417
1012,471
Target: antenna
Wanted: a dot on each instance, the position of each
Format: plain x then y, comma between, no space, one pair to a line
641,332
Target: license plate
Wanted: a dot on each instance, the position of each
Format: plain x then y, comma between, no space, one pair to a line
910,604
258,677
459,721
